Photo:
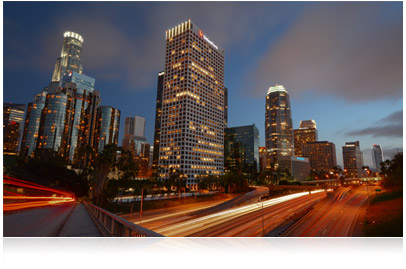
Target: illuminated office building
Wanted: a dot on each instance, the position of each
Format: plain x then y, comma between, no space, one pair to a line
32,123
241,149
321,155
377,157
278,125
192,121
157,130
353,160
13,125
307,132
70,57
107,127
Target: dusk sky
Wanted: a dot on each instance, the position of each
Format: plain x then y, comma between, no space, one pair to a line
341,62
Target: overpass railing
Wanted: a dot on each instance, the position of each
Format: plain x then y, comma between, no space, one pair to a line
112,225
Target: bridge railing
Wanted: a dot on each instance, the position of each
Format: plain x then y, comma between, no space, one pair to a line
115,226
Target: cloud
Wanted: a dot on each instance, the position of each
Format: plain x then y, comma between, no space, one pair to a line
349,50
380,131
393,127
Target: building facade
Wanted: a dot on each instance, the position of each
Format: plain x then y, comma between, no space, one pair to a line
70,57
307,132
298,167
353,160
321,155
13,126
241,146
278,125
157,129
107,127
377,157
192,120
32,122
263,155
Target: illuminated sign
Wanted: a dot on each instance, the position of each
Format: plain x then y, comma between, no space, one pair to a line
208,40
300,158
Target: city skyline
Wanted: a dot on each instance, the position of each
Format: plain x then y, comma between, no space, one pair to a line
341,115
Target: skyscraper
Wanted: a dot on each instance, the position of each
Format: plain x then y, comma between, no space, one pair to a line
107,127
278,125
321,155
307,132
353,161
157,130
32,123
241,149
70,57
13,125
377,157
192,122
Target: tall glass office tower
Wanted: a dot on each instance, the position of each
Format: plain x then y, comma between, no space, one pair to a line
70,57
377,157
278,125
108,124
192,121
30,139
157,130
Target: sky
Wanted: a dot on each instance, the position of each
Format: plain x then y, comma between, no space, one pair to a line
341,62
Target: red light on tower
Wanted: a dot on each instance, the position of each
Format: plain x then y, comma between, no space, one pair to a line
201,33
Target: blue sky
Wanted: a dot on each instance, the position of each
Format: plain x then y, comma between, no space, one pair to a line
341,62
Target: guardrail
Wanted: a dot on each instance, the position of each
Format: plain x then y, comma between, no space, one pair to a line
112,225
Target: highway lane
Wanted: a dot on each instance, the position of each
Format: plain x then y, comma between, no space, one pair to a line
334,217
45,221
236,221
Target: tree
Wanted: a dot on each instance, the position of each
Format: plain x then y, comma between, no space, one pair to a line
105,162
392,173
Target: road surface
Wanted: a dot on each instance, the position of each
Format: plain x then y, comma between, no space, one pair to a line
335,217
64,220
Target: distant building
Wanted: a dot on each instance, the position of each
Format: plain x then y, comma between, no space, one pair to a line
377,157
321,155
263,155
225,107
298,167
307,132
353,160
107,127
241,149
157,129
278,124
30,138
13,126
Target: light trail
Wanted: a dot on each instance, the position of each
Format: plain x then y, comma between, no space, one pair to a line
231,213
49,195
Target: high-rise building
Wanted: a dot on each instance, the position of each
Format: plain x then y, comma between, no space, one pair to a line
32,123
278,125
353,161
13,125
307,132
298,167
192,121
70,57
321,155
157,130
241,149
225,107
377,157
107,127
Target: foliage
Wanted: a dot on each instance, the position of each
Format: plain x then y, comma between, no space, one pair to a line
392,172
48,168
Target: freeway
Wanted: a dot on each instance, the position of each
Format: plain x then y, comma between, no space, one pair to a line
334,217
240,221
